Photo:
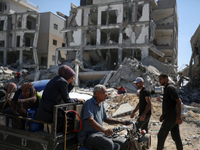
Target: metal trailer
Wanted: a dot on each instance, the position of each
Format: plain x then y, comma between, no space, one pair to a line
17,139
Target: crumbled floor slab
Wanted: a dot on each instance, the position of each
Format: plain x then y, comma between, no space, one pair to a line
123,109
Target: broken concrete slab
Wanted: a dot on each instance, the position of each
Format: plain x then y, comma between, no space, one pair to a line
129,71
123,109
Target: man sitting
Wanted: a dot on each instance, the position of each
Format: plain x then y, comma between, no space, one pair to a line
93,135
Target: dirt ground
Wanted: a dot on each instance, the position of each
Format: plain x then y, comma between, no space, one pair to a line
189,129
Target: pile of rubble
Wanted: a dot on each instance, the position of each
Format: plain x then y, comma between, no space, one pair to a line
6,75
132,68
120,106
190,94
123,76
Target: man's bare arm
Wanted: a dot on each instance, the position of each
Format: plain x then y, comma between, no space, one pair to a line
178,105
98,127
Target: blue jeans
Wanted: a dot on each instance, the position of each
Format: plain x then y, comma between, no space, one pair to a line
99,141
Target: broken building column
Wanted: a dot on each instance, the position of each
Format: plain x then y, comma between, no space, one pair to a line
5,53
145,52
20,56
119,56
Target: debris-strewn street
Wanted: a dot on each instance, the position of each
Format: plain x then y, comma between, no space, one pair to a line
189,129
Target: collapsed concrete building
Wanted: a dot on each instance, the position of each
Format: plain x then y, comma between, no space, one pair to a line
192,70
100,34
19,28
194,65
28,37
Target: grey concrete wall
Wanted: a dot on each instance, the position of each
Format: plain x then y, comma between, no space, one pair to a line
105,1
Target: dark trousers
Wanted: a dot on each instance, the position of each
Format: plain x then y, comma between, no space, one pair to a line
143,124
99,141
175,133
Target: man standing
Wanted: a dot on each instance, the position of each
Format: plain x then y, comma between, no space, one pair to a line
144,105
171,114
93,135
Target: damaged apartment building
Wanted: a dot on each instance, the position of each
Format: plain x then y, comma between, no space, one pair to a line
193,70
101,33
28,37
19,28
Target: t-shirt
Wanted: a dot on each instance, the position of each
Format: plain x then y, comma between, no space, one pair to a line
91,109
121,90
169,104
142,101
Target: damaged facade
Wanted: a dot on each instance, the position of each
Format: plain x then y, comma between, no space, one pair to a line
19,28
100,34
28,39
193,69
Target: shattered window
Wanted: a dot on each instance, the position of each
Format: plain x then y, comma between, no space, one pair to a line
1,43
137,54
63,44
18,41
55,42
91,37
27,41
103,17
113,16
3,6
20,22
29,25
1,25
139,12
55,26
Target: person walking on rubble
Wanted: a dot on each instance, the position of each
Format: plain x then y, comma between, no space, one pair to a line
93,135
144,105
56,91
171,114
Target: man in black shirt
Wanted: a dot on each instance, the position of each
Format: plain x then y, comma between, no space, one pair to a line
171,114
144,105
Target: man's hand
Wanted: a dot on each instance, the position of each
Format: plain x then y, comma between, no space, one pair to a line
142,117
179,120
81,100
161,118
132,115
126,122
108,132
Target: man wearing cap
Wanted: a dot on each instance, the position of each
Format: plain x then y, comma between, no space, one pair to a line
144,105
171,114
56,91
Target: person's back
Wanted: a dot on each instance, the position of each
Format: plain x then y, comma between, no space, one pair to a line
57,90
52,95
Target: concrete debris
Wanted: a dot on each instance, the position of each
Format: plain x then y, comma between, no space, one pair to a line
123,109
132,68
189,129
6,74
162,67
189,94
